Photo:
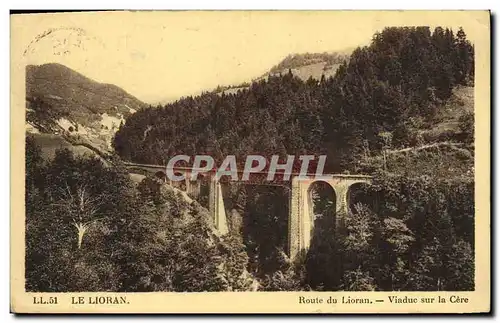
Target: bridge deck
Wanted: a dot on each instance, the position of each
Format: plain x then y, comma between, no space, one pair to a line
203,170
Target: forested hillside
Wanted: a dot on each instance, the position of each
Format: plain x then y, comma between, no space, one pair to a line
299,60
400,109
63,105
303,66
67,93
395,86
90,228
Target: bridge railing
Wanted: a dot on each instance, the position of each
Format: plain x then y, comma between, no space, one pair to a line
279,178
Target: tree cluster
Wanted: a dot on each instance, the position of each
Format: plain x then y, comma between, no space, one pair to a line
298,60
90,228
402,76
402,234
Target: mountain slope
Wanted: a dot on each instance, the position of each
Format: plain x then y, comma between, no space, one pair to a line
64,102
309,65
370,104
304,66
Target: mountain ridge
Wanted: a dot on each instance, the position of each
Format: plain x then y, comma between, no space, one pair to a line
300,64
63,102
303,65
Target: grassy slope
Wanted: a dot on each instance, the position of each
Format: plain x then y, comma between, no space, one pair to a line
81,98
315,71
441,159
302,68
76,100
49,143
447,120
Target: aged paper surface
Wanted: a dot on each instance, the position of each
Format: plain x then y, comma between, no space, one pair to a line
398,222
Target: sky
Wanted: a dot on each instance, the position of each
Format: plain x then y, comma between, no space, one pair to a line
164,55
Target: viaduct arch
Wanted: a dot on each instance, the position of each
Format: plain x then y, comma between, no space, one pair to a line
301,220
301,217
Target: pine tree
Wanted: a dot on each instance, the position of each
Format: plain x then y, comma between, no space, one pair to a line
464,58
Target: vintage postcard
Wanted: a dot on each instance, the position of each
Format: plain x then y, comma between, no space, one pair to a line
250,162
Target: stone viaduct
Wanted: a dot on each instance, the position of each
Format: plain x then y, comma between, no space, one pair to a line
301,217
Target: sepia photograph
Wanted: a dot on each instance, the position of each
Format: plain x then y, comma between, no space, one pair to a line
244,152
